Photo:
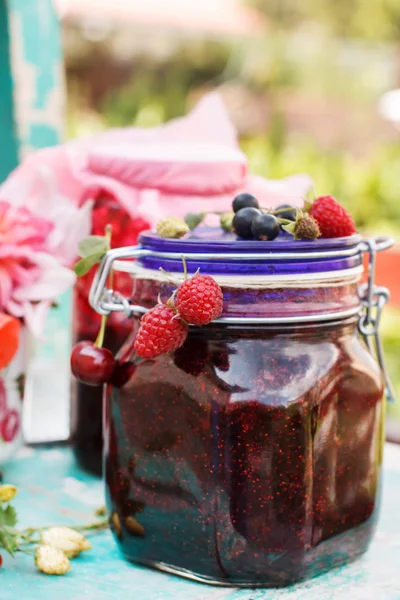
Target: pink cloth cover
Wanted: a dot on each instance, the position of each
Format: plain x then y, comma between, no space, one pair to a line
190,164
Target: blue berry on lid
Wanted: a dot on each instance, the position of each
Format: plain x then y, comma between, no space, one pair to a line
285,211
243,221
265,227
244,201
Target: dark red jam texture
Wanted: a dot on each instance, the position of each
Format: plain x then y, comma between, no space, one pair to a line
249,456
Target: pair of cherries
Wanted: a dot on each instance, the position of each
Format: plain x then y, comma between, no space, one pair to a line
94,365
91,364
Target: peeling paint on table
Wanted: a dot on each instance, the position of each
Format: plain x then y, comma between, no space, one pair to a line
53,490
31,80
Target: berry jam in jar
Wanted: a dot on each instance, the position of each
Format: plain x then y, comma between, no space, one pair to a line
250,456
87,400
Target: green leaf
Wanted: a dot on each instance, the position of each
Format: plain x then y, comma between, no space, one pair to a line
9,542
194,219
11,530
308,204
8,535
226,221
84,265
93,244
290,228
10,515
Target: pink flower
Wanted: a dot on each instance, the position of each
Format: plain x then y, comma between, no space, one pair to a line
21,227
30,277
33,186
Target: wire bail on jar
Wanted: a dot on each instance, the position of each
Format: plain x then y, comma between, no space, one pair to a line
372,297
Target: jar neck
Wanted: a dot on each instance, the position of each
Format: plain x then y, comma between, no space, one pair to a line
273,304
339,327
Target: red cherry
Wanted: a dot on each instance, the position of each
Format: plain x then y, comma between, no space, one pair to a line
1,560
122,373
10,426
92,365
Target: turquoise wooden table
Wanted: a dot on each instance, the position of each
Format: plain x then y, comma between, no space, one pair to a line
53,490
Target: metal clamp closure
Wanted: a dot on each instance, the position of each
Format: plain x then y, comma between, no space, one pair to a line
374,299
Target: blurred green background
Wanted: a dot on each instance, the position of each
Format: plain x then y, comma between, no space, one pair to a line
302,82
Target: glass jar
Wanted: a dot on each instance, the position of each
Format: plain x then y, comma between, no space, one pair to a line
87,421
251,456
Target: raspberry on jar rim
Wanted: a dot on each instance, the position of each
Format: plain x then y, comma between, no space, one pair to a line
332,218
199,300
161,331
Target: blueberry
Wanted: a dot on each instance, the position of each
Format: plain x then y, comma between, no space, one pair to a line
265,227
242,221
244,201
289,213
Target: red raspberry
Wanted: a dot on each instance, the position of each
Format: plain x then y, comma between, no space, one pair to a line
199,300
161,330
332,218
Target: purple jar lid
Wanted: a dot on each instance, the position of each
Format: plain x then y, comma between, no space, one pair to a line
219,253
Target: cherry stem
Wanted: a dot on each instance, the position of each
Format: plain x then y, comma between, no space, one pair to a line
108,234
100,336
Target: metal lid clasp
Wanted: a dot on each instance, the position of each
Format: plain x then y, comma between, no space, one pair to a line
374,299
